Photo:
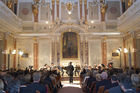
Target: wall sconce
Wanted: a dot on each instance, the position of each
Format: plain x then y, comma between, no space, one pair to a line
20,52
125,50
13,52
119,50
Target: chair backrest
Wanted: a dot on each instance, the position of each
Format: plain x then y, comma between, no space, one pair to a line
137,89
94,89
101,89
106,91
92,85
37,91
48,89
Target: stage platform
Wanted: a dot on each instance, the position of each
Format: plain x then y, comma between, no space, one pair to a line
66,78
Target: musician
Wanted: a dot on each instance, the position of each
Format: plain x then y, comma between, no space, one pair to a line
46,66
61,70
77,70
53,67
70,68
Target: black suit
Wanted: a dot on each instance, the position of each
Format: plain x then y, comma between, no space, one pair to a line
71,68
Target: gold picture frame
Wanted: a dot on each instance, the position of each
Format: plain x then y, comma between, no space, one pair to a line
78,51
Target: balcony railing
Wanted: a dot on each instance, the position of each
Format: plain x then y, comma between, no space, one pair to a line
8,16
130,16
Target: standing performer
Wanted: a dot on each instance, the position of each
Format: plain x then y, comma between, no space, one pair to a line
70,68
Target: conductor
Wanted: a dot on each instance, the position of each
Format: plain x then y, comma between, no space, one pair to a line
70,68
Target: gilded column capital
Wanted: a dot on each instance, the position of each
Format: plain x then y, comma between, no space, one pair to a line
85,2
53,1
103,9
57,2
130,2
80,1
10,4
16,1
35,10
36,39
36,1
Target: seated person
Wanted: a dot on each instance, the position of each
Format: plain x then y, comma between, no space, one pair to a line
125,86
114,81
14,86
35,86
135,80
25,82
90,80
2,87
104,82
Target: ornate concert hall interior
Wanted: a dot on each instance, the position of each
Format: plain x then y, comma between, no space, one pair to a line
35,33
59,31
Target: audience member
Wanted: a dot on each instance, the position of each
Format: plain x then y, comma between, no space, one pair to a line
2,87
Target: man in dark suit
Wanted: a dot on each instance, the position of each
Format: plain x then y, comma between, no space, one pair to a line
35,86
70,68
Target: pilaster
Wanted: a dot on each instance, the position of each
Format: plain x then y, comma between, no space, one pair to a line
104,51
85,6
81,50
80,1
58,51
57,8
53,7
86,52
35,46
14,56
124,52
5,48
134,49
53,51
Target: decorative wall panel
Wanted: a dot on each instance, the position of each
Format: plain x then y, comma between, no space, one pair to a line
93,13
112,46
25,45
113,10
25,11
95,52
44,52
45,12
